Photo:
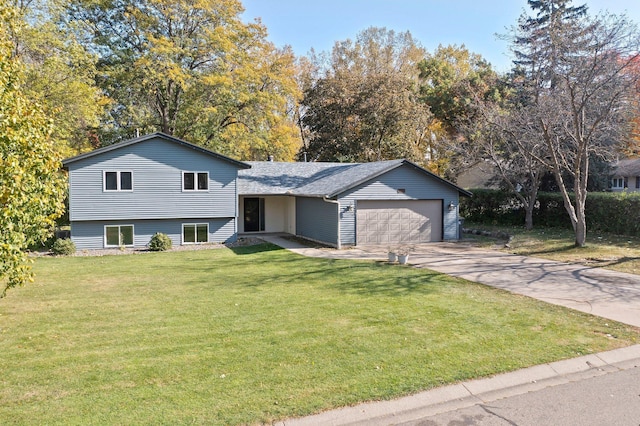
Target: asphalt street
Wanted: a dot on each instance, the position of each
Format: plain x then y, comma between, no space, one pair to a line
610,399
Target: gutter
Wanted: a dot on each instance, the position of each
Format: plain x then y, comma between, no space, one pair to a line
326,200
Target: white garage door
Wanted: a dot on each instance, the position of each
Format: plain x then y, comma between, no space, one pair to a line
398,222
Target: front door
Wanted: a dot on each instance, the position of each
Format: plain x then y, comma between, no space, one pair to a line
253,214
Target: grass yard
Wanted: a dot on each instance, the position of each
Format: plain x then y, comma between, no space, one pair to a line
259,334
617,252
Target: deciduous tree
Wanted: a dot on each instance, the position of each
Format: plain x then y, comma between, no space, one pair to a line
506,135
193,69
361,102
31,185
59,73
579,91
452,81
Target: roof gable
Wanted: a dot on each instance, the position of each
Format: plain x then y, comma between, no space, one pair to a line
157,135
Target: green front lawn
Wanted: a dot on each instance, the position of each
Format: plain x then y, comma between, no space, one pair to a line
258,334
616,252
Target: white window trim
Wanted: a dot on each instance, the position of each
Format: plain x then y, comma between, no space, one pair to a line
118,181
616,181
196,225
133,231
195,181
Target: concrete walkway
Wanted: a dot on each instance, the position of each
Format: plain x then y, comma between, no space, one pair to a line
601,292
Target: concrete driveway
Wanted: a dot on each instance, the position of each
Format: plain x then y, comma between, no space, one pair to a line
609,294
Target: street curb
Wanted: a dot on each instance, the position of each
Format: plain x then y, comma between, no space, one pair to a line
473,392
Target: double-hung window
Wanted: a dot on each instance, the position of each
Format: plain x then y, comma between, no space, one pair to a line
117,180
118,236
195,233
195,181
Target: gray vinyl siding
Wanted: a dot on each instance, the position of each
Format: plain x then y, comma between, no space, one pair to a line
317,219
90,235
417,186
157,167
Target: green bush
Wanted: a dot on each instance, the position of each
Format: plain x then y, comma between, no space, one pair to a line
612,212
160,242
63,247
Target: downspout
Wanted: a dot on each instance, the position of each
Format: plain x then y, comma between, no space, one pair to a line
326,200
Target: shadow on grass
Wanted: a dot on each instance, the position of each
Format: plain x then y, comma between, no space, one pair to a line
604,263
560,249
273,265
257,248
399,284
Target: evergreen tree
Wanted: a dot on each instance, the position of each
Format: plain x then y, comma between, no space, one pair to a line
576,93
542,38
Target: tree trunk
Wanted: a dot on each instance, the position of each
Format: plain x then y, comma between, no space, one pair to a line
580,189
528,219
531,199
580,226
581,230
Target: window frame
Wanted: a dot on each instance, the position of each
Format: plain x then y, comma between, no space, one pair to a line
118,180
617,181
195,225
196,175
133,236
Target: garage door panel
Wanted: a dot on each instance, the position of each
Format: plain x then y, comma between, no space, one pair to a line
398,222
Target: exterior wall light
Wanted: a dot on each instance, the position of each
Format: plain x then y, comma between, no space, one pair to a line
452,206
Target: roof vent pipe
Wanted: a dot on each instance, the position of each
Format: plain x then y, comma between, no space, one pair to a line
271,158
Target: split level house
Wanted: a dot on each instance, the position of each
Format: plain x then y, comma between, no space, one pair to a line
122,194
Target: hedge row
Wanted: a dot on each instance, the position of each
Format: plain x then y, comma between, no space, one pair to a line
613,212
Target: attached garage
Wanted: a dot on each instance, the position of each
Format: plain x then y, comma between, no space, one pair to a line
398,222
393,202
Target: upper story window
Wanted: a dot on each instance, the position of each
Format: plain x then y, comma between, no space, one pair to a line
118,181
195,181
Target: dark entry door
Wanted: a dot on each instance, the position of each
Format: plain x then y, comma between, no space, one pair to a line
253,214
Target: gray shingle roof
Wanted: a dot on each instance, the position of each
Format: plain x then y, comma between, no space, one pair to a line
266,177
315,179
627,168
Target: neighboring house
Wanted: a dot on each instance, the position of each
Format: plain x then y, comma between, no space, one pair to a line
122,194
626,176
481,175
